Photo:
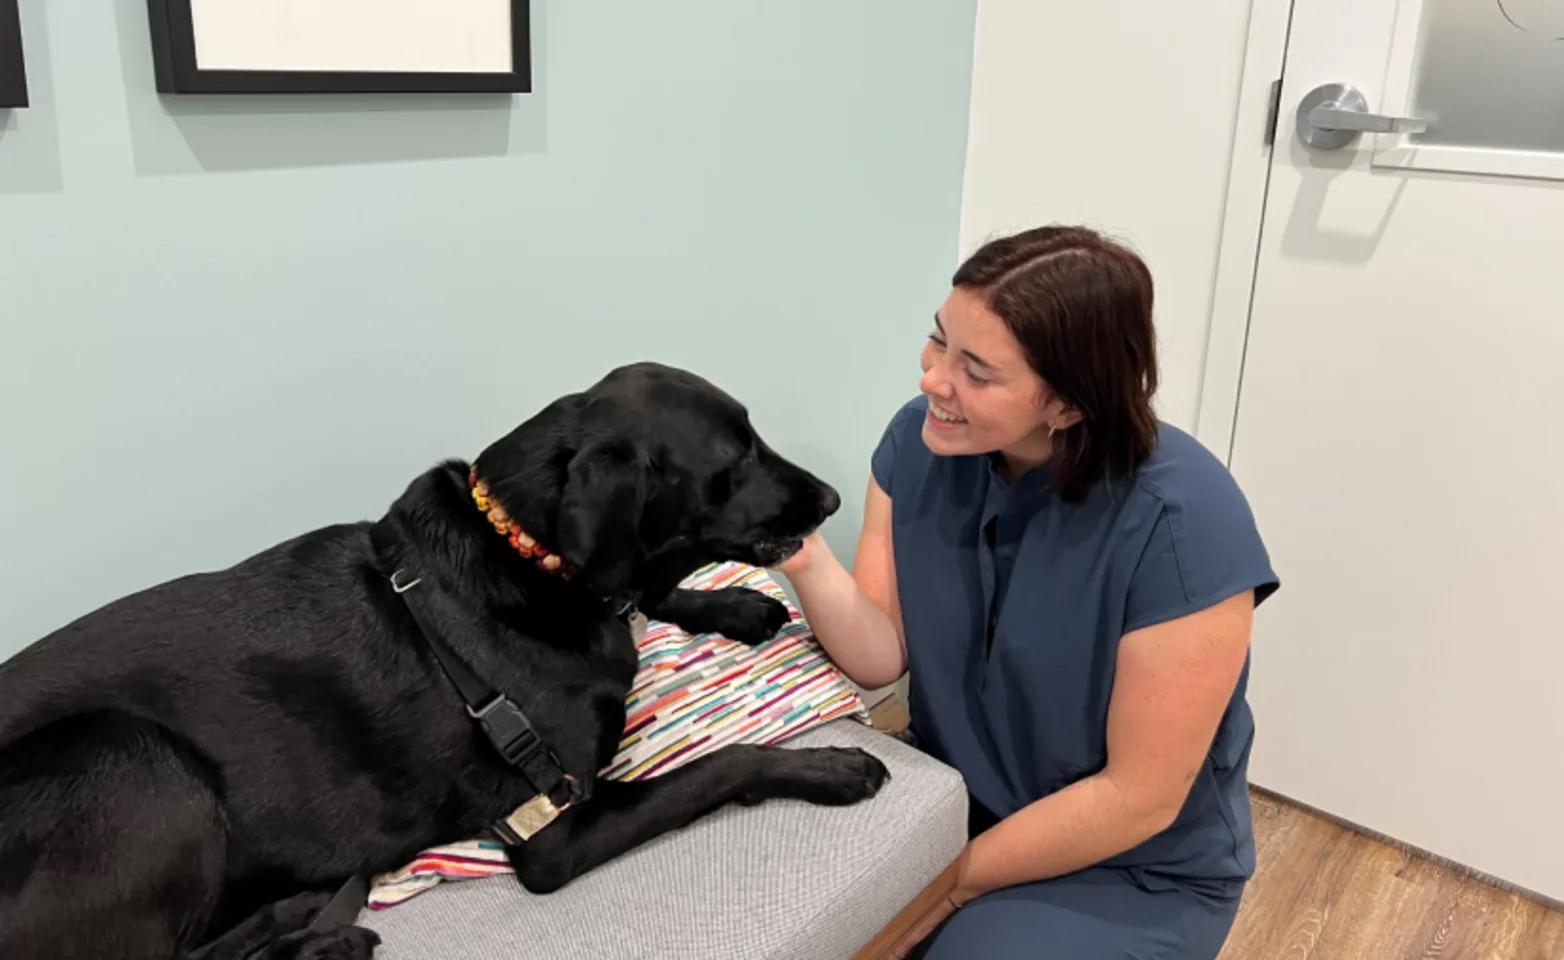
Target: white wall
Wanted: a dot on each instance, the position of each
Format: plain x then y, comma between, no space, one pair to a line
1120,116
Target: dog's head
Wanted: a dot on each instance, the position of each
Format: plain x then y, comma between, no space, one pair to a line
652,472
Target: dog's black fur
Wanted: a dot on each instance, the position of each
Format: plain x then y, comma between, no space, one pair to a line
189,772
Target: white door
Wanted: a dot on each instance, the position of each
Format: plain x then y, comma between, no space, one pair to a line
1400,433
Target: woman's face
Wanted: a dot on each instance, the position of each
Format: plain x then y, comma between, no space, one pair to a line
983,395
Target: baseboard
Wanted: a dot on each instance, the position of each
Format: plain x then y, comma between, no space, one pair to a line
1413,851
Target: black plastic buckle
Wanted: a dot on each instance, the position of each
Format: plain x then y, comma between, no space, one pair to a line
508,729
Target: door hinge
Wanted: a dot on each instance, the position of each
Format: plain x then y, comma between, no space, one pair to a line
1273,111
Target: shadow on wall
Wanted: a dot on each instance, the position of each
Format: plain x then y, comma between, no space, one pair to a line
30,138
178,135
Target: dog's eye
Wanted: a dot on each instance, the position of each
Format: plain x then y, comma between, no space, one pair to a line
720,487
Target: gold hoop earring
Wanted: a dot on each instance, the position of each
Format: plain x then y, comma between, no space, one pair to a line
1052,430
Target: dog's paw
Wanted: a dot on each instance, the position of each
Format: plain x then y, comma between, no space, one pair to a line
832,776
343,943
295,913
751,617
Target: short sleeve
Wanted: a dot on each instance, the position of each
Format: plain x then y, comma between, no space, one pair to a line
883,464
1199,554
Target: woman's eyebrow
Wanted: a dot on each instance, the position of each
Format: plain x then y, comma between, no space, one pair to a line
968,353
979,360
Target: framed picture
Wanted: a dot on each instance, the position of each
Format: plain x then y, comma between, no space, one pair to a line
341,46
13,71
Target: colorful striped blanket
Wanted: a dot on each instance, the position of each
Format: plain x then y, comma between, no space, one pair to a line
691,695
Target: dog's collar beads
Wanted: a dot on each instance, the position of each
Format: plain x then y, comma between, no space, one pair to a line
521,541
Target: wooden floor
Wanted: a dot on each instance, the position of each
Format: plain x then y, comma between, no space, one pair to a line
1322,892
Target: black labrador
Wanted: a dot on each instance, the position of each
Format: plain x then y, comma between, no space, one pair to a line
191,771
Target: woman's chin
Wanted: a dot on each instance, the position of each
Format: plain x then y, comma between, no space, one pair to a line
946,441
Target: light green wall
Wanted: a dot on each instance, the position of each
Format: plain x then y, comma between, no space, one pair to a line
223,322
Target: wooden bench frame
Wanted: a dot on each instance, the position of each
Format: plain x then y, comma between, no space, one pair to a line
880,947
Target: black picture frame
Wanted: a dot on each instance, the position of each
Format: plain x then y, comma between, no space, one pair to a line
177,71
13,68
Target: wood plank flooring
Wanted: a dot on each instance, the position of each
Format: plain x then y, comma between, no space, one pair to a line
1323,892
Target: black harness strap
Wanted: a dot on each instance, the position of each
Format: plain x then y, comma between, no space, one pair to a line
506,726
512,735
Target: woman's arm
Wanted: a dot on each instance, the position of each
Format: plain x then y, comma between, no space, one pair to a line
1173,683
855,616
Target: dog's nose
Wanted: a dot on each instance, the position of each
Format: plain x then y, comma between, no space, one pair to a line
831,501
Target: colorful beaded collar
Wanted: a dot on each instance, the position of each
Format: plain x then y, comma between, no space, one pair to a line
520,540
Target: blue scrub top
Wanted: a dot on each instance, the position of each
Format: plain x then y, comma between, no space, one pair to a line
1027,714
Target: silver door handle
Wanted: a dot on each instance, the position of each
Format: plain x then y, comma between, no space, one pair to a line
1330,117
1335,115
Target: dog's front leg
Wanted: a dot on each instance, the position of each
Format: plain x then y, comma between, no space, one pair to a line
623,815
279,932
737,613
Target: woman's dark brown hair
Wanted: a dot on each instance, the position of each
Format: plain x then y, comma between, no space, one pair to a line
1080,305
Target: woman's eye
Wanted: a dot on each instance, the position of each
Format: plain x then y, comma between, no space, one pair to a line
935,339
977,380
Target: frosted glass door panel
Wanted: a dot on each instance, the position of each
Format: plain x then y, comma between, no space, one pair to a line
1490,73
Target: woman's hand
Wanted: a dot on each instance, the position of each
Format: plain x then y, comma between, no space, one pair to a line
814,547
958,897
853,613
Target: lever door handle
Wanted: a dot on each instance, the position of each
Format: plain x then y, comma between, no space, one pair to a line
1331,117
1334,115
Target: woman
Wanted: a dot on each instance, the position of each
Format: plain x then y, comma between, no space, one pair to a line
1070,585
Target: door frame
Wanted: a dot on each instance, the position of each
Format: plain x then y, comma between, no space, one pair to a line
1243,217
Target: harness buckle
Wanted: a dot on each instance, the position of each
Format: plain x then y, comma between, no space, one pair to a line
508,729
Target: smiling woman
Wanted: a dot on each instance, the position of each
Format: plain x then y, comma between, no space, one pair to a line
1097,710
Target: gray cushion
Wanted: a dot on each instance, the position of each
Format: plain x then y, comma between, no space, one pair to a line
783,879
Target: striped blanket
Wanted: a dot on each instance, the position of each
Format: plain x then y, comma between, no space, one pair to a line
691,695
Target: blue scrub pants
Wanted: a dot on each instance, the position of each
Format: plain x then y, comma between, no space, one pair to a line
1096,914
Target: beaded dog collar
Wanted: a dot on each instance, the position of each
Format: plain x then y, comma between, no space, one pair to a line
520,540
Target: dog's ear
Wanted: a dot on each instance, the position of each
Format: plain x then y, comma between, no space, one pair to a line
600,515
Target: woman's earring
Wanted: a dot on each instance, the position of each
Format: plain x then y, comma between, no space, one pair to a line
1051,430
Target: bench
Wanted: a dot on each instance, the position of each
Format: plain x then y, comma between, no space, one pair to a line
784,880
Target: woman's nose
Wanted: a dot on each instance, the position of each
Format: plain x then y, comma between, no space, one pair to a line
934,382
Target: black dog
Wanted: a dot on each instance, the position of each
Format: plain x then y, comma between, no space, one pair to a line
190,772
